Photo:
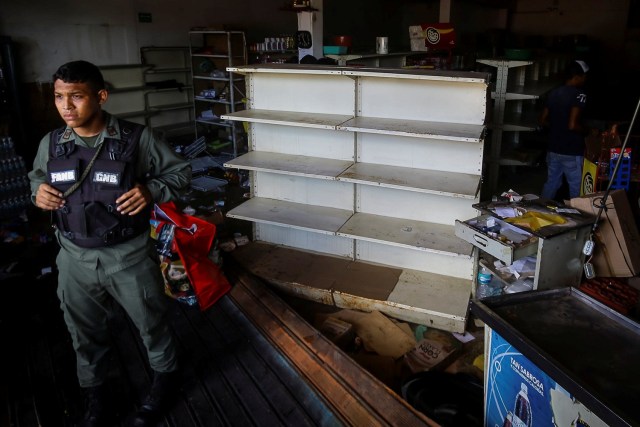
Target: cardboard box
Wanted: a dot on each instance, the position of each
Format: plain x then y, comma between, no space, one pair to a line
341,333
432,36
617,251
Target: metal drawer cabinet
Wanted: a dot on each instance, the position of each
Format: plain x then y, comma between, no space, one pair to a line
507,245
558,248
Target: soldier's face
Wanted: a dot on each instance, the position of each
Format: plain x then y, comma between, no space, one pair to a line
78,104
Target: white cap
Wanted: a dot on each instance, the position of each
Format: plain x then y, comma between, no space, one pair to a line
583,65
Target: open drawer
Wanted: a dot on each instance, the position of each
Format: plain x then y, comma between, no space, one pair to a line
498,238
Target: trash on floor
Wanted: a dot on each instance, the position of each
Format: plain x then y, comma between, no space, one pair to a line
434,349
341,333
377,332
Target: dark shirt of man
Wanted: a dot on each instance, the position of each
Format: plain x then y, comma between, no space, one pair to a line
560,102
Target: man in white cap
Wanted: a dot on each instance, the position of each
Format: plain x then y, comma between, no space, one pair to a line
563,115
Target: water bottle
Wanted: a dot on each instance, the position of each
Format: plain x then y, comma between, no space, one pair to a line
522,416
484,280
484,276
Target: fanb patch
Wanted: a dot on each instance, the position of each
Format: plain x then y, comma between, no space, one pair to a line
62,176
108,178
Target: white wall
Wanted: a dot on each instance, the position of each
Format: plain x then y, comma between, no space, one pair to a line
49,33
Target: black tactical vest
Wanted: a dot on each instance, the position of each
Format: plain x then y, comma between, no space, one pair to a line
89,217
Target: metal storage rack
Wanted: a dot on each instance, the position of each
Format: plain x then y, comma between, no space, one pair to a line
369,166
216,90
518,84
169,95
126,91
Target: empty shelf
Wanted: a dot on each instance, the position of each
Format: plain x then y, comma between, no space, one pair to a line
413,179
289,118
288,164
407,233
509,63
319,219
416,128
532,90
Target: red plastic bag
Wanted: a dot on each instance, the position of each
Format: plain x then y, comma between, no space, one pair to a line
192,240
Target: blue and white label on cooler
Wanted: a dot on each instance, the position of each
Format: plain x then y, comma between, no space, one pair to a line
519,394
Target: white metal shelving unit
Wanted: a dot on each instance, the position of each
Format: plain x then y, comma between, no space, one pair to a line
126,91
517,87
371,166
170,105
212,52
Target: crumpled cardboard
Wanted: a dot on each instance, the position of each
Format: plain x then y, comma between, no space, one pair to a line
617,250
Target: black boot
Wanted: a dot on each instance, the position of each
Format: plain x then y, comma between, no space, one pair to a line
153,405
96,407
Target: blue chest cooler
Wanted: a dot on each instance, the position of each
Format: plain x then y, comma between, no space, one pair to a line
558,358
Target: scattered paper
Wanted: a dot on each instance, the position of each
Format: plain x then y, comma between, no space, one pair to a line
506,212
523,267
568,210
464,338
512,196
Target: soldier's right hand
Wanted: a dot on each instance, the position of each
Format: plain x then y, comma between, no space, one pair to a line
48,198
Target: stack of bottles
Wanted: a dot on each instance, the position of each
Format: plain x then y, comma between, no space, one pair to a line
15,191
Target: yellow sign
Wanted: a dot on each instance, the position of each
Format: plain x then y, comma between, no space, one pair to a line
589,178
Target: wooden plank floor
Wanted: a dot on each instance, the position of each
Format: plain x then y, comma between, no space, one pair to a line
248,360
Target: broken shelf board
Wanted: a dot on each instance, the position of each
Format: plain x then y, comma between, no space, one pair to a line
424,298
289,164
289,118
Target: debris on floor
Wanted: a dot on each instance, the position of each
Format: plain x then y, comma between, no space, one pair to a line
437,372
377,332
435,349
395,351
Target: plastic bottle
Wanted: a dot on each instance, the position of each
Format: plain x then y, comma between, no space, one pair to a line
508,420
484,276
522,416
484,283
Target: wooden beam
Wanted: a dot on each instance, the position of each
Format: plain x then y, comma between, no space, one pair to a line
355,394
